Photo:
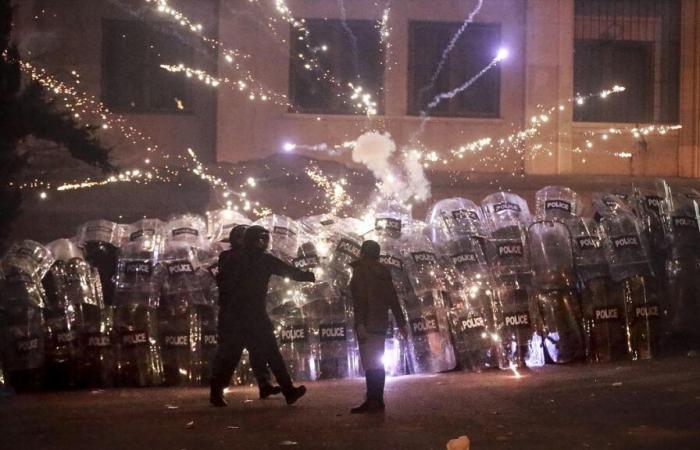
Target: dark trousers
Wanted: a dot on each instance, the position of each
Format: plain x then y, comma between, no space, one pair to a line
262,346
259,366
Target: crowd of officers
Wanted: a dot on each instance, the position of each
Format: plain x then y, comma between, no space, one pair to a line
243,277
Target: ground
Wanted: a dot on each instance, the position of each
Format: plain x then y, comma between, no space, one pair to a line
630,405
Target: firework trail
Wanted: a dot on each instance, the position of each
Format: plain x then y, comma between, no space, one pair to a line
450,47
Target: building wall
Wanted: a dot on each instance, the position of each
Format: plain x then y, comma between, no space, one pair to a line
66,35
539,73
225,126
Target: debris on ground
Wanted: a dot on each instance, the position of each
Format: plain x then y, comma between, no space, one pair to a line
461,443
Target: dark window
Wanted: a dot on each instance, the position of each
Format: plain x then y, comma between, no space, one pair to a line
475,49
633,43
353,55
132,79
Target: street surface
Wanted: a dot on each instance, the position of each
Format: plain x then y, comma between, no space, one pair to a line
642,405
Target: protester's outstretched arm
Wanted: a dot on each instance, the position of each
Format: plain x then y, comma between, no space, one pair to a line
282,269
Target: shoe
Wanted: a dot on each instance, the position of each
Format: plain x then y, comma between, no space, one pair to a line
369,406
216,396
267,390
295,394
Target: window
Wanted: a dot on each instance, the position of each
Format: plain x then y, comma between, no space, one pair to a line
633,43
132,79
353,54
475,49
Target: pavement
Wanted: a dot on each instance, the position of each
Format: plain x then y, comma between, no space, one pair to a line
628,405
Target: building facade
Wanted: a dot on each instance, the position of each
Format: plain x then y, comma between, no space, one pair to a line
283,77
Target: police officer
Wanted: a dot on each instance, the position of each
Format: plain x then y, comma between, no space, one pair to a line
243,321
373,293
257,361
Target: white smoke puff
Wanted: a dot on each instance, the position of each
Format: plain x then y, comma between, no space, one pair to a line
374,150
418,184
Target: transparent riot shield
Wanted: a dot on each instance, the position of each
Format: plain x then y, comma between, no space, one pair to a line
23,334
430,346
390,218
220,222
470,298
136,299
603,318
682,269
458,229
627,255
559,315
23,301
177,327
285,235
652,208
509,257
458,217
345,249
329,317
397,360
100,241
556,203
208,313
97,354
297,344
505,209
60,337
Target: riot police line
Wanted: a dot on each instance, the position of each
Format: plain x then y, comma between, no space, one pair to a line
482,286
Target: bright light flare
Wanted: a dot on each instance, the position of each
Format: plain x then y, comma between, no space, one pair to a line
503,53
514,369
289,147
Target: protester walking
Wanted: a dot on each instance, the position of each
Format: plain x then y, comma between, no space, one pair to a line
257,361
373,295
243,321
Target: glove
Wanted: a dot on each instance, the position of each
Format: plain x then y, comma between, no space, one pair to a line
308,276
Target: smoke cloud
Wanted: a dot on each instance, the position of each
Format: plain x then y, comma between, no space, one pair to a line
375,151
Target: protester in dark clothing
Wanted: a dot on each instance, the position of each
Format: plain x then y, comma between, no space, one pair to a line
257,360
243,321
373,294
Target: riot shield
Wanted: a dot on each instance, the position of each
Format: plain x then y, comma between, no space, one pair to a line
558,312
627,255
458,217
430,346
556,203
470,295
682,270
100,240
508,255
179,337
397,360
220,222
136,298
603,318
23,302
23,333
285,235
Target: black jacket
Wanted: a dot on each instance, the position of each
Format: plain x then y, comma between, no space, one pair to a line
243,279
373,294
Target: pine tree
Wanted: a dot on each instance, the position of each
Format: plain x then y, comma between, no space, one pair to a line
26,110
